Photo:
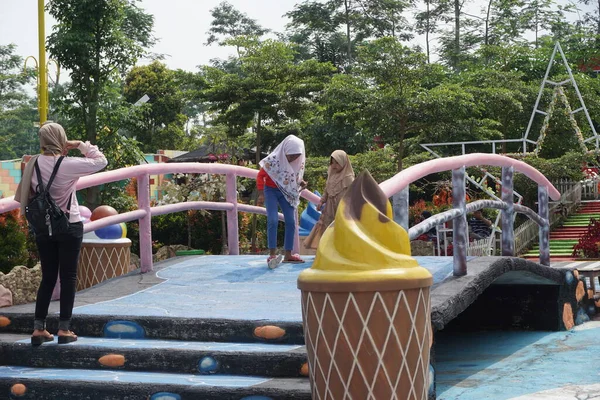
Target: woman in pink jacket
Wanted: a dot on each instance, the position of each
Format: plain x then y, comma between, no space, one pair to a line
59,253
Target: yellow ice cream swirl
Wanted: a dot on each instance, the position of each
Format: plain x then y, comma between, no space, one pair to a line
364,244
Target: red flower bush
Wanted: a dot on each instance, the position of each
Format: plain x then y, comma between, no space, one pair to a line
587,247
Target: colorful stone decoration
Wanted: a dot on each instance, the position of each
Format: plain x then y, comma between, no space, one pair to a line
269,332
124,330
208,365
304,370
112,360
18,390
165,396
4,321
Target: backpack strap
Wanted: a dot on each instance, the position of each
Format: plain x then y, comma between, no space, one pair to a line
40,185
54,171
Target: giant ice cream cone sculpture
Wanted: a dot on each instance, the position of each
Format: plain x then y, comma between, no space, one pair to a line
365,305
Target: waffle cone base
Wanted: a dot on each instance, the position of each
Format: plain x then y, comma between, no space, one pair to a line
368,345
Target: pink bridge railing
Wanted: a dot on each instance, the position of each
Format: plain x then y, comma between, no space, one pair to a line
395,185
145,212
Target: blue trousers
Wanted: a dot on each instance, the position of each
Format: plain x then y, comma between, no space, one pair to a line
273,197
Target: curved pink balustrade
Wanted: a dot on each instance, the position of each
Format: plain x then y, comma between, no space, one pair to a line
145,212
231,206
416,172
9,204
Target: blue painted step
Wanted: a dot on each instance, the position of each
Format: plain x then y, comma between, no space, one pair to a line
74,384
252,359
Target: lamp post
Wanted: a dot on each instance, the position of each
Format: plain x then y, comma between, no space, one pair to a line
42,66
42,77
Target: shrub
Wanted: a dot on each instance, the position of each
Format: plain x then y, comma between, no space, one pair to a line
13,246
587,247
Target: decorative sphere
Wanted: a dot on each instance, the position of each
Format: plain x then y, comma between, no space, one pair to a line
18,389
115,231
102,212
85,212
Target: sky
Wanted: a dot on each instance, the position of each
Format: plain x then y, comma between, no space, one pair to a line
180,26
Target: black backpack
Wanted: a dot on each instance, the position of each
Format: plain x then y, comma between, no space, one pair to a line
44,215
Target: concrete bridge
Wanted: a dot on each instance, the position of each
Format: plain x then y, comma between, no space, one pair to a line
226,327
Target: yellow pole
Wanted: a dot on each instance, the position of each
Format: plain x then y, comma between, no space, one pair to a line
42,75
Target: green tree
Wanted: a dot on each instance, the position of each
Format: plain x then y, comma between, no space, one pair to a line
229,23
398,81
382,18
329,27
96,40
427,21
161,120
538,16
592,18
269,89
17,114
338,122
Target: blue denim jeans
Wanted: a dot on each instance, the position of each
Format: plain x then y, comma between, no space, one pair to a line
273,196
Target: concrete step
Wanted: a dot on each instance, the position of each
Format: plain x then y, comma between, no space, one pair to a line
168,356
76,384
166,328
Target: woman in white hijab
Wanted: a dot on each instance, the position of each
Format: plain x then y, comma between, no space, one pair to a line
280,182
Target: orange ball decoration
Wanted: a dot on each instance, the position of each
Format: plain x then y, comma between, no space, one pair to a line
102,212
18,389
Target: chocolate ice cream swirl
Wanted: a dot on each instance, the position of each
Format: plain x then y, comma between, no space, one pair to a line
364,246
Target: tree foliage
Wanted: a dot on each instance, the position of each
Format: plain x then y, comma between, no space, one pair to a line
96,40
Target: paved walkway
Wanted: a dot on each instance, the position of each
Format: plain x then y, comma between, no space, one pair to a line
227,287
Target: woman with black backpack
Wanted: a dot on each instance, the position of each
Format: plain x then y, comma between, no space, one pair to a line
51,179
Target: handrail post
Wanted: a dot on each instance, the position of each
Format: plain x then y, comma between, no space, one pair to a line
508,231
400,208
143,195
460,231
543,212
233,237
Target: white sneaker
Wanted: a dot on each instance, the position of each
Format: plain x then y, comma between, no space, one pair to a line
274,262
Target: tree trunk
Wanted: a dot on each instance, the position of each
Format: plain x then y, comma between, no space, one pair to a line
536,27
427,28
93,193
456,32
487,23
598,20
347,12
401,136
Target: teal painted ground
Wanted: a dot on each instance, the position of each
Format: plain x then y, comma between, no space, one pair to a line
228,287
505,365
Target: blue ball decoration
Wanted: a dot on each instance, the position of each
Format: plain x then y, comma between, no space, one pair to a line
121,329
165,396
116,231
569,278
208,365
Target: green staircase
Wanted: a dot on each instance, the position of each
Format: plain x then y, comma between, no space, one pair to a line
565,237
